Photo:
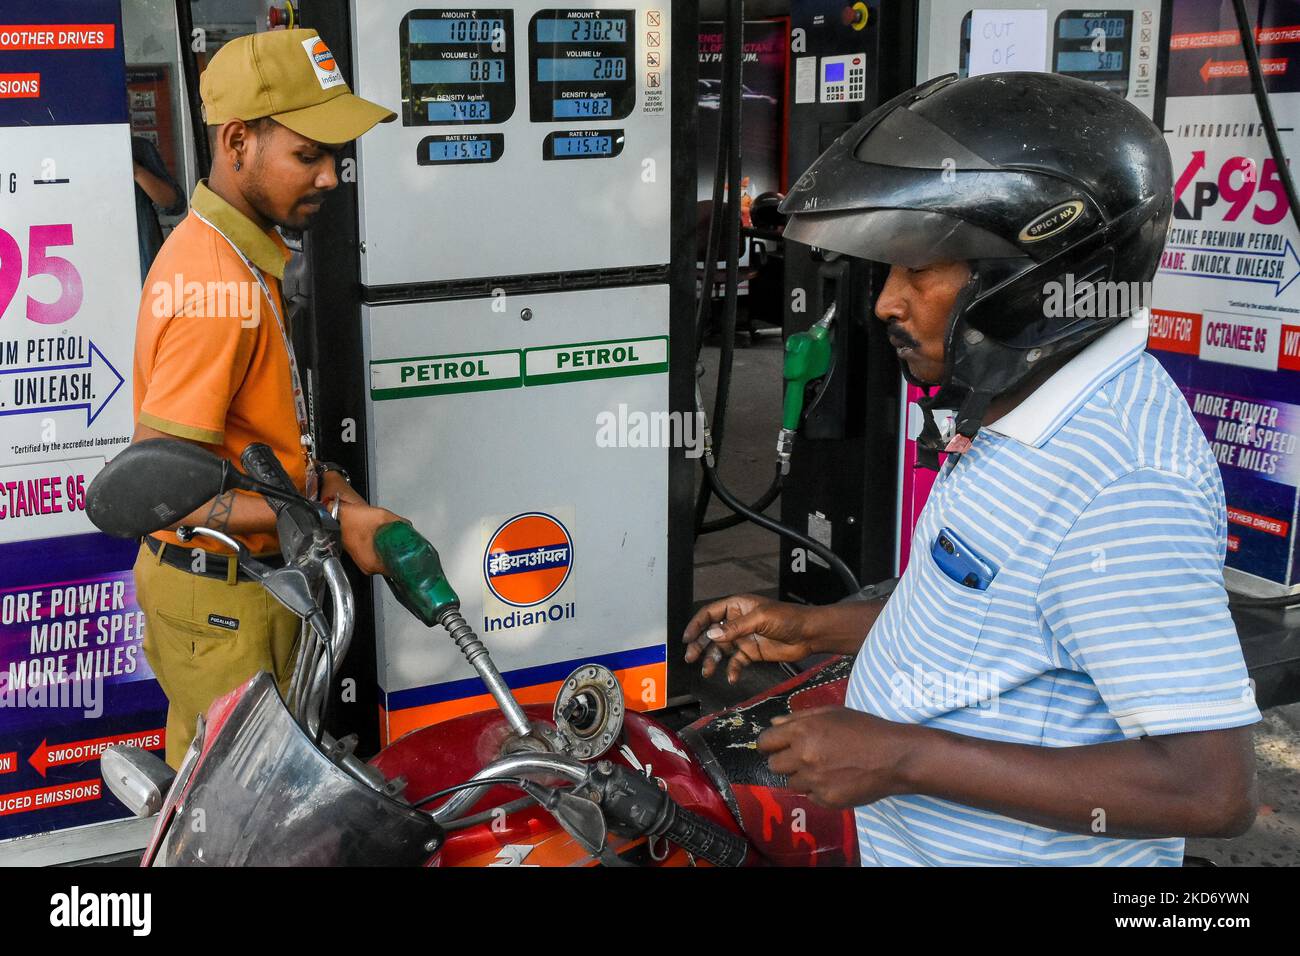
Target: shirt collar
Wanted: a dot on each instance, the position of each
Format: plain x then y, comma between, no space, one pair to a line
1042,413
266,250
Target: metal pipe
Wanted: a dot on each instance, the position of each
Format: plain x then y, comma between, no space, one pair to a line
344,619
481,661
512,766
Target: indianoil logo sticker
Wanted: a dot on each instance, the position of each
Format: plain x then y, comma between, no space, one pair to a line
323,62
528,559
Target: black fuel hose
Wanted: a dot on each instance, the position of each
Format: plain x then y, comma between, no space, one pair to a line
816,547
760,504
730,125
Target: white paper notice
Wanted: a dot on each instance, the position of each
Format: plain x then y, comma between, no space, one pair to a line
805,79
1004,41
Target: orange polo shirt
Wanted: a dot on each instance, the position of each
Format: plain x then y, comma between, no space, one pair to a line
210,362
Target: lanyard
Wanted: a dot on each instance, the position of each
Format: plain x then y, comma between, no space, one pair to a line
299,396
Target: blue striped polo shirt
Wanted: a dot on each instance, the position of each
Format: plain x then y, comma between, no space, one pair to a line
1100,505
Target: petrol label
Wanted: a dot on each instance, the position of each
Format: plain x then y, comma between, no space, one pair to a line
441,374
591,360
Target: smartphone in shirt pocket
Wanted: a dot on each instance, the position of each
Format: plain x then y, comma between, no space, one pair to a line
960,562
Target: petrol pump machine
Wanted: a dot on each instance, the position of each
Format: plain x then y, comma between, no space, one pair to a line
519,310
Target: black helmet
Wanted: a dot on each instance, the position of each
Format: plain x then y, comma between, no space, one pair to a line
1032,177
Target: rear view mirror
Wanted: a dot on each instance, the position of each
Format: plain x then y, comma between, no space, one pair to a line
151,485
137,778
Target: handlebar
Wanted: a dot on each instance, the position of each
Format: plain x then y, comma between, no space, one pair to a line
632,802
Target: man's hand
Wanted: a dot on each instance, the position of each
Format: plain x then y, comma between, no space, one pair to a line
359,523
748,628
333,485
839,757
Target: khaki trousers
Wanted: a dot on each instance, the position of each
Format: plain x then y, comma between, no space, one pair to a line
204,637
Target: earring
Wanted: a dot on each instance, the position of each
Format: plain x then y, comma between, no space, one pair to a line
238,165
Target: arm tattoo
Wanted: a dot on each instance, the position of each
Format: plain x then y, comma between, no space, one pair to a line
221,511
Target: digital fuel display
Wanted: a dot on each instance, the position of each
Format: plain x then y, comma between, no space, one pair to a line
583,144
574,108
572,30
457,67
1094,45
460,149
581,64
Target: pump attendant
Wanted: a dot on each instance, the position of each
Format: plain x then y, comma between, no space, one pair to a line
1056,678
214,364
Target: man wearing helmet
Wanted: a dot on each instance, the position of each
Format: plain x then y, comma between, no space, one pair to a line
1074,693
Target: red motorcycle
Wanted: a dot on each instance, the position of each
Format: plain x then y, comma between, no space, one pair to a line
584,782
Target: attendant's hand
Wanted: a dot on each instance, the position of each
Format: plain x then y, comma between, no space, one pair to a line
839,757
359,523
748,628
333,485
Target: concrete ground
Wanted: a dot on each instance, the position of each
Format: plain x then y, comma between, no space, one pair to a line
744,559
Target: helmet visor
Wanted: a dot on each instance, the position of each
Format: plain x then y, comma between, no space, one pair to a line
907,237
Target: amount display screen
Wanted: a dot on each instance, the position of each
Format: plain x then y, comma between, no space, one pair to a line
457,31
581,31
571,109
457,67
460,149
583,64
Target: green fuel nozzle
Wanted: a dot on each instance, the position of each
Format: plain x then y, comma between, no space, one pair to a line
807,358
414,572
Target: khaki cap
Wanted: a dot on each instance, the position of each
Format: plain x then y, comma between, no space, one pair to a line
290,76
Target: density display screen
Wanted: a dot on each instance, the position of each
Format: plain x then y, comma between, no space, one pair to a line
466,149
450,111
457,67
1095,45
582,64
583,144
572,108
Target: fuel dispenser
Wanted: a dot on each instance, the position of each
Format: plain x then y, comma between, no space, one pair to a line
847,60
501,326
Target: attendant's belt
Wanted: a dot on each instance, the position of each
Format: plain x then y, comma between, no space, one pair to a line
217,566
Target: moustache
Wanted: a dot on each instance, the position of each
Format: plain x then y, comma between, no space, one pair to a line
900,339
